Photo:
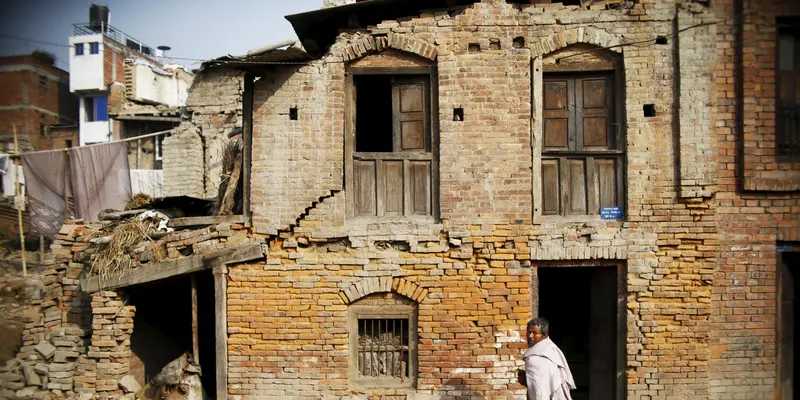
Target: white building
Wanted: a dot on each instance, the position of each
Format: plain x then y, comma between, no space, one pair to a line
124,88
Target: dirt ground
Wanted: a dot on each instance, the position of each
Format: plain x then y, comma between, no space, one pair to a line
12,299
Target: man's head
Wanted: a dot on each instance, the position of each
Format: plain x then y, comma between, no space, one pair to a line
538,330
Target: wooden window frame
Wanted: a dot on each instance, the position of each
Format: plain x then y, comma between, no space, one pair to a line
432,143
787,133
389,311
540,72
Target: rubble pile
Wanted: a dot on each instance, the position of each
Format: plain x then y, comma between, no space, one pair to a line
76,345
56,331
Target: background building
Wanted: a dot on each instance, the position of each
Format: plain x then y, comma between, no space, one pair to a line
35,97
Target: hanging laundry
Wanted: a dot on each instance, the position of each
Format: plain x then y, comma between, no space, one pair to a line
46,177
100,178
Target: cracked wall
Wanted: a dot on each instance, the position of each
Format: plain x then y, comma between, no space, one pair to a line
193,153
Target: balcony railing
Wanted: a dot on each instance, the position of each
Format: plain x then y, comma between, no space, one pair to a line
114,34
788,136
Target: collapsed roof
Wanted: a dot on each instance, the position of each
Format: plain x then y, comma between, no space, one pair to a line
318,29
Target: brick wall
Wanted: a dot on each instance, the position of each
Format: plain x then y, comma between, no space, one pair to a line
757,203
197,146
487,247
34,93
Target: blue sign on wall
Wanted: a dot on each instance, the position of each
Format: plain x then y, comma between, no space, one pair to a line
611,212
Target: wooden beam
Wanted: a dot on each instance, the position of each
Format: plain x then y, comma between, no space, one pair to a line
247,116
209,220
229,197
167,269
221,329
145,118
117,215
195,341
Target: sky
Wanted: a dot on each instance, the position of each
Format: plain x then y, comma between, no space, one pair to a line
201,29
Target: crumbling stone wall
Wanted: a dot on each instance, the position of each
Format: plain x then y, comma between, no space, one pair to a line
193,154
489,239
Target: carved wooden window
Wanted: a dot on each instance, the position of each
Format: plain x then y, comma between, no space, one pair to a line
582,157
383,342
393,164
788,85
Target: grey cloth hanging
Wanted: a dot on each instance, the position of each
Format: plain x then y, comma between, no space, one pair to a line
100,178
96,176
46,178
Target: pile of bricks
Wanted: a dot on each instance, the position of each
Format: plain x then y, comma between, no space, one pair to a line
56,331
76,346
49,367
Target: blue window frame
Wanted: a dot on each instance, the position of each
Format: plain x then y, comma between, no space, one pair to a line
78,49
96,108
94,48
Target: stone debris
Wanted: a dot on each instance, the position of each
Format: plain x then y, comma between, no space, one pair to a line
129,384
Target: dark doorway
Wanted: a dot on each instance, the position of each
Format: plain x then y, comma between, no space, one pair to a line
789,349
581,304
162,326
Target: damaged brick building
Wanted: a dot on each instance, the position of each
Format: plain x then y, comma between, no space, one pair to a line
427,176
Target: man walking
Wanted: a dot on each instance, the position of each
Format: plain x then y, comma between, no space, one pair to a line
546,371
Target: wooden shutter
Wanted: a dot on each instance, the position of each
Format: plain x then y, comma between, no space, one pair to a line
593,113
557,113
581,169
410,114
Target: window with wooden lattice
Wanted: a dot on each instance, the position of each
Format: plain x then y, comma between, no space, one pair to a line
582,151
383,339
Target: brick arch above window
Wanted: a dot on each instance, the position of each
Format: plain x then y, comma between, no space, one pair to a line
588,35
365,45
368,286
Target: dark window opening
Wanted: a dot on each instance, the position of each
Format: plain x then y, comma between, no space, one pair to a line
661,40
94,48
649,110
42,129
494,44
293,113
474,48
373,113
458,114
42,82
383,349
518,42
68,143
78,49
788,87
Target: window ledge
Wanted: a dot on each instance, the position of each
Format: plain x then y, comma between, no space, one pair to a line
551,219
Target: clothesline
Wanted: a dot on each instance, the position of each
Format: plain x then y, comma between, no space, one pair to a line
98,144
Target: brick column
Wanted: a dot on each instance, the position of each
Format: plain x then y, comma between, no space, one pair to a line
112,326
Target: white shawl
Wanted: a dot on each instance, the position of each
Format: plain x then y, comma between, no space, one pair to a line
548,375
